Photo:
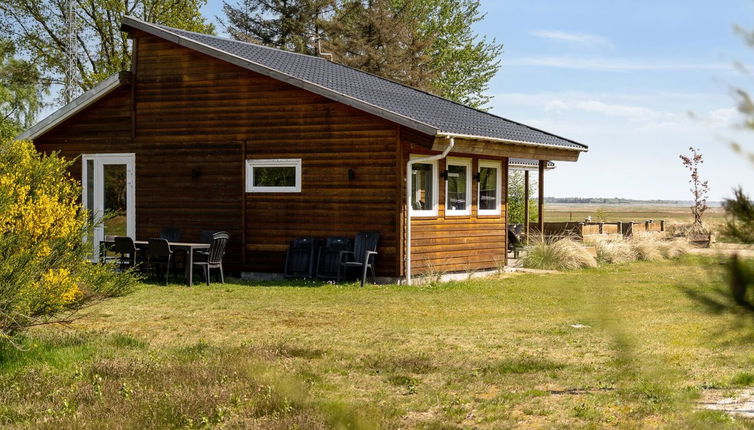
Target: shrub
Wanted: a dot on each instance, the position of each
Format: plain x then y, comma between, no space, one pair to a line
44,274
563,254
614,251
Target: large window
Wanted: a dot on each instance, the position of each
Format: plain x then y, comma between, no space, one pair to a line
273,176
490,184
424,189
458,187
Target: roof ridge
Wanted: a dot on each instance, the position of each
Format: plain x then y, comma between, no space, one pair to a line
259,45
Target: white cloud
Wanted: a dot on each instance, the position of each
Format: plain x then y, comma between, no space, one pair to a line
632,113
579,38
725,117
614,64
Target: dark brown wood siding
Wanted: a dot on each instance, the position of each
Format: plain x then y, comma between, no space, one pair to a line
197,113
446,243
197,119
103,127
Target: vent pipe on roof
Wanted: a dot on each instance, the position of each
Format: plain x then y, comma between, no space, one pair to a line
409,164
326,55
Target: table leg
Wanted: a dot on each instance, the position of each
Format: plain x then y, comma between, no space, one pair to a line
190,267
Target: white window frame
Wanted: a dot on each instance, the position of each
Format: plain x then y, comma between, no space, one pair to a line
498,193
435,192
98,203
272,162
464,162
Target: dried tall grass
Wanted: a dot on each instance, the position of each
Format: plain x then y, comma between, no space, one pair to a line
614,251
674,248
563,254
649,247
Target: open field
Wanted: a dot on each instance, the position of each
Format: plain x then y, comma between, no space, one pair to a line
555,212
614,347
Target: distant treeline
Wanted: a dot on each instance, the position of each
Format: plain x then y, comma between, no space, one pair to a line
617,201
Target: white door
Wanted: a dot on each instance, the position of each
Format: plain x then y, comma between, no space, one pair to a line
108,193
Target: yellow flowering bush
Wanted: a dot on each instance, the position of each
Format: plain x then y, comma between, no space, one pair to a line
44,274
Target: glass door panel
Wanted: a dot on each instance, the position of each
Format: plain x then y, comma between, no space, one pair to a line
115,200
108,195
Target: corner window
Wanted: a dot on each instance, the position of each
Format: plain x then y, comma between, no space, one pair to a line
273,176
424,189
490,184
458,187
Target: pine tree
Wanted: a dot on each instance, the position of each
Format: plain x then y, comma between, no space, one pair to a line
427,44
293,25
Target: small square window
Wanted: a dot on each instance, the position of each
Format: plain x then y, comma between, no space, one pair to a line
490,178
273,176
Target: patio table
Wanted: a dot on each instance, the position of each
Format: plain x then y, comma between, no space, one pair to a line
189,247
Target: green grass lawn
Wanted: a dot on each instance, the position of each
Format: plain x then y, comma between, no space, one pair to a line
485,354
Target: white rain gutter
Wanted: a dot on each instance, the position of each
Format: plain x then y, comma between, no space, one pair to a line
409,164
582,148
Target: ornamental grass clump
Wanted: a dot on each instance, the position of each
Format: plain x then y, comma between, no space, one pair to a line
673,248
562,254
614,252
646,247
44,273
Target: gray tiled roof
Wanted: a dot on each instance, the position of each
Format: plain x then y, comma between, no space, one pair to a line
440,114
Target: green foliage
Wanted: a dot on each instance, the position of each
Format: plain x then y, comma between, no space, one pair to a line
427,44
290,25
38,26
516,211
463,62
20,99
44,275
739,224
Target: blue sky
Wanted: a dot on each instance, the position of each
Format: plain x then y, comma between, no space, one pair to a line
639,81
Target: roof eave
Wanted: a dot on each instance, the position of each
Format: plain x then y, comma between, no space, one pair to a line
77,105
137,24
581,148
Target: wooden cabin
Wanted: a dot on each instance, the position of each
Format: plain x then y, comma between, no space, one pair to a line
269,145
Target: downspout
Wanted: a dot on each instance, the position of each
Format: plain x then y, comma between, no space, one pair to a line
409,165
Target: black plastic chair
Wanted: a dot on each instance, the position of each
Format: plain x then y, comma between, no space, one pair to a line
328,256
206,236
215,254
362,256
171,234
299,259
159,254
126,250
515,243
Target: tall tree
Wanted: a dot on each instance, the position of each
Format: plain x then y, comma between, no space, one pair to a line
463,62
20,96
699,188
428,44
293,25
382,37
101,49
